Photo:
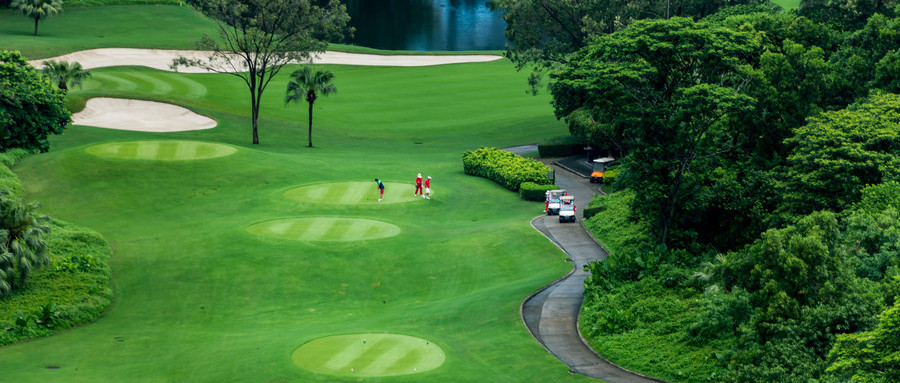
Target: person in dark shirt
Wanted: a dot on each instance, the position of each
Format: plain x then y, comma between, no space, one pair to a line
380,190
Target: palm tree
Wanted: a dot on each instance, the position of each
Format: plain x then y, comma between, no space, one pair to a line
38,9
65,74
22,237
306,84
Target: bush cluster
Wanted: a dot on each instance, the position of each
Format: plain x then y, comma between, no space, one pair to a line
505,168
74,289
531,191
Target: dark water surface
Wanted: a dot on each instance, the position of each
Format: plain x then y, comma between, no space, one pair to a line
426,25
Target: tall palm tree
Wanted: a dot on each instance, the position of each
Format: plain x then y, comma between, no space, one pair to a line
309,85
22,237
38,9
65,74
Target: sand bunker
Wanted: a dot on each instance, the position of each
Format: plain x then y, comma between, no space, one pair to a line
139,115
369,355
324,229
161,150
352,193
162,59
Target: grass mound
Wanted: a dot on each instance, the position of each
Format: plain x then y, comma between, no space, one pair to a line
369,355
352,193
324,229
161,150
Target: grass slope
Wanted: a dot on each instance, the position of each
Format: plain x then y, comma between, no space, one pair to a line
201,299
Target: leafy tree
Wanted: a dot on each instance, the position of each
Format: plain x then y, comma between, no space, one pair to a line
65,74
258,37
662,92
870,356
38,9
838,153
21,241
308,85
30,107
545,32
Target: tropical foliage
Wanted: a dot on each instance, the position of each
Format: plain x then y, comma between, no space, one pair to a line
65,74
38,9
30,107
780,261
308,85
256,38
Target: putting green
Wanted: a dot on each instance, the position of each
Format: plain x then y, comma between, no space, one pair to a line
353,193
325,229
369,355
161,150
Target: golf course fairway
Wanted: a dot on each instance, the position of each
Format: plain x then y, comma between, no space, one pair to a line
230,259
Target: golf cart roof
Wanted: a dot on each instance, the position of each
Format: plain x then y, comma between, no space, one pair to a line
604,160
567,198
558,191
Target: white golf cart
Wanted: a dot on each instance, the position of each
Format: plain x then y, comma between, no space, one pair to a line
567,209
553,201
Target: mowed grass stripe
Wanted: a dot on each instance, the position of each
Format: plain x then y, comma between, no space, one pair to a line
372,353
156,84
112,81
386,363
351,351
313,230
352,193
326,229
161,150
380,355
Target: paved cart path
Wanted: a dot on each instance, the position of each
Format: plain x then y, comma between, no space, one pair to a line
552,314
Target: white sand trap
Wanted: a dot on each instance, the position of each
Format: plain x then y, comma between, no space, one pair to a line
162,59
140,115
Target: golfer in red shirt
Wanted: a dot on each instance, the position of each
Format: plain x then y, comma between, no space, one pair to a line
419,186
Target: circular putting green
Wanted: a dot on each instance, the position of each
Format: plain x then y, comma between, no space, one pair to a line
369,355
324,229
353,193
161,150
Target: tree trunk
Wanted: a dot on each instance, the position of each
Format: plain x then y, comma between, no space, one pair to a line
310,124
35,26
254,108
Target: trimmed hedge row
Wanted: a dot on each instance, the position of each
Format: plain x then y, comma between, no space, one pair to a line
73,289
609,176
531,191
505,168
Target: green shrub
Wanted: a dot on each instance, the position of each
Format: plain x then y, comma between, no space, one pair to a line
60,297
612,226
609,176
531,191
591,211
505,168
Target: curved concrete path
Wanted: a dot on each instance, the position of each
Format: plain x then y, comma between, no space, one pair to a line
552,313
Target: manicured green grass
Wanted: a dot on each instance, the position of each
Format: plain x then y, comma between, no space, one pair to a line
200,298
369,355
125,26
169,150
131,26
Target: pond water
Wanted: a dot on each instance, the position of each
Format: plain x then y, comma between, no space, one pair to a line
426,25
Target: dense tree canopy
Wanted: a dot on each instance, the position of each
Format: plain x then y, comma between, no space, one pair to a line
30,107
662,92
